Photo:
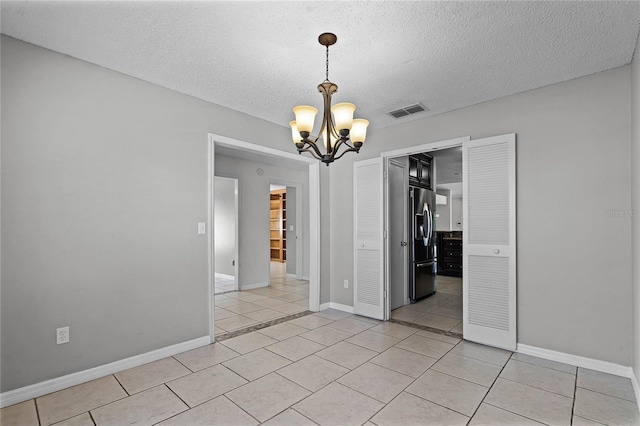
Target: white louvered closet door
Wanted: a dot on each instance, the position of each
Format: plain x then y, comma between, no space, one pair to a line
368,291
489,240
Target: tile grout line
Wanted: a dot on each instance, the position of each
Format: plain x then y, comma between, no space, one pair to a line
35,404
91,417
293,409
224,395
573,403
492,385
176,359
606,394
183,401
121,385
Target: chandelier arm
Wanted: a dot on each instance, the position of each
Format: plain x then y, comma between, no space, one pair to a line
345,151
339,143
315,149
310,151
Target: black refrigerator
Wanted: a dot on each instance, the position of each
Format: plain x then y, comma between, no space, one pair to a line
422,253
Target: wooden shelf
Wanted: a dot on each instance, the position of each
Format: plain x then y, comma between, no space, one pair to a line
278,225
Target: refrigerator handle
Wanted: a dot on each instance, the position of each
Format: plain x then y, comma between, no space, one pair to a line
427,216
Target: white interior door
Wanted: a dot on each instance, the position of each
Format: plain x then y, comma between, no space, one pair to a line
397,206
489,240
368,238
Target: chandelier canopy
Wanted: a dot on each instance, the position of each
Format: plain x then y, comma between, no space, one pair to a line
338,129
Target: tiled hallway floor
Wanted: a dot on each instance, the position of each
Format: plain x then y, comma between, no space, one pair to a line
443,310
332,368
240,309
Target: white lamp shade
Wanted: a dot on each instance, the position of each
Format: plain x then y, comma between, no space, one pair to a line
359,130
331,138
343,115
295,134
305,116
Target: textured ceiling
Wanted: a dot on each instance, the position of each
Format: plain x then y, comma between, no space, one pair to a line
263,58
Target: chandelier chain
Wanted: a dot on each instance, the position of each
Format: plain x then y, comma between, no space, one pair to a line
327,70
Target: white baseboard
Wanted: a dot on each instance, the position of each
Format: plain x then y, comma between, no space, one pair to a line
252,286
38,389
636,388
579,361
338,306
305,278
291,275
224,276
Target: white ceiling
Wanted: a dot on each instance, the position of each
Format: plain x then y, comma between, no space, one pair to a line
262,58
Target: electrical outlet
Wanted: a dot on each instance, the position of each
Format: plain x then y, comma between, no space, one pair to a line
346,283
62,335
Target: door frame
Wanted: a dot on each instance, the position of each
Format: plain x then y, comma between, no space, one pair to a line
236,212
401,152
387,247
314,215
298,224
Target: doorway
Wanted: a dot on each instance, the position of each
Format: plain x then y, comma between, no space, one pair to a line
225,231
439,305
277,233
488,241
241,305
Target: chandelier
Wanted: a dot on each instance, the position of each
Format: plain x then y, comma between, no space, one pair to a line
339,130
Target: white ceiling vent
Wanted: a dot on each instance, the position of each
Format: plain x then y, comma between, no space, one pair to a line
408,110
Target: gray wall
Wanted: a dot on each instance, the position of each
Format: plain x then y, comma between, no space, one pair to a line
291,235
104,178
635,195
574,261
224,231
443,222
253,191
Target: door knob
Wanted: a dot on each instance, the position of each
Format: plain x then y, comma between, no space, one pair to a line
403,243
496,251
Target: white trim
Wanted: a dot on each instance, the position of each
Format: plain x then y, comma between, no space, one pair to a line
341,307
401,152
291,275
211,250
336,306
431,146
636,388
225,276
248,146
236,219
252,286
314,215
38,389
314,237
579,361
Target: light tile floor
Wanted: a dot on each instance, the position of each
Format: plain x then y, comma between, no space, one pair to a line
443,310
335,368
331,368
284,296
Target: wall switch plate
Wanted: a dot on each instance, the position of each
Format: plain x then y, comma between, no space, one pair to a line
346,283
62,335
291,228
202,228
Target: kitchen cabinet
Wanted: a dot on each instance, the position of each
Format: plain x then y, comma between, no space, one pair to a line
421,171
450,253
